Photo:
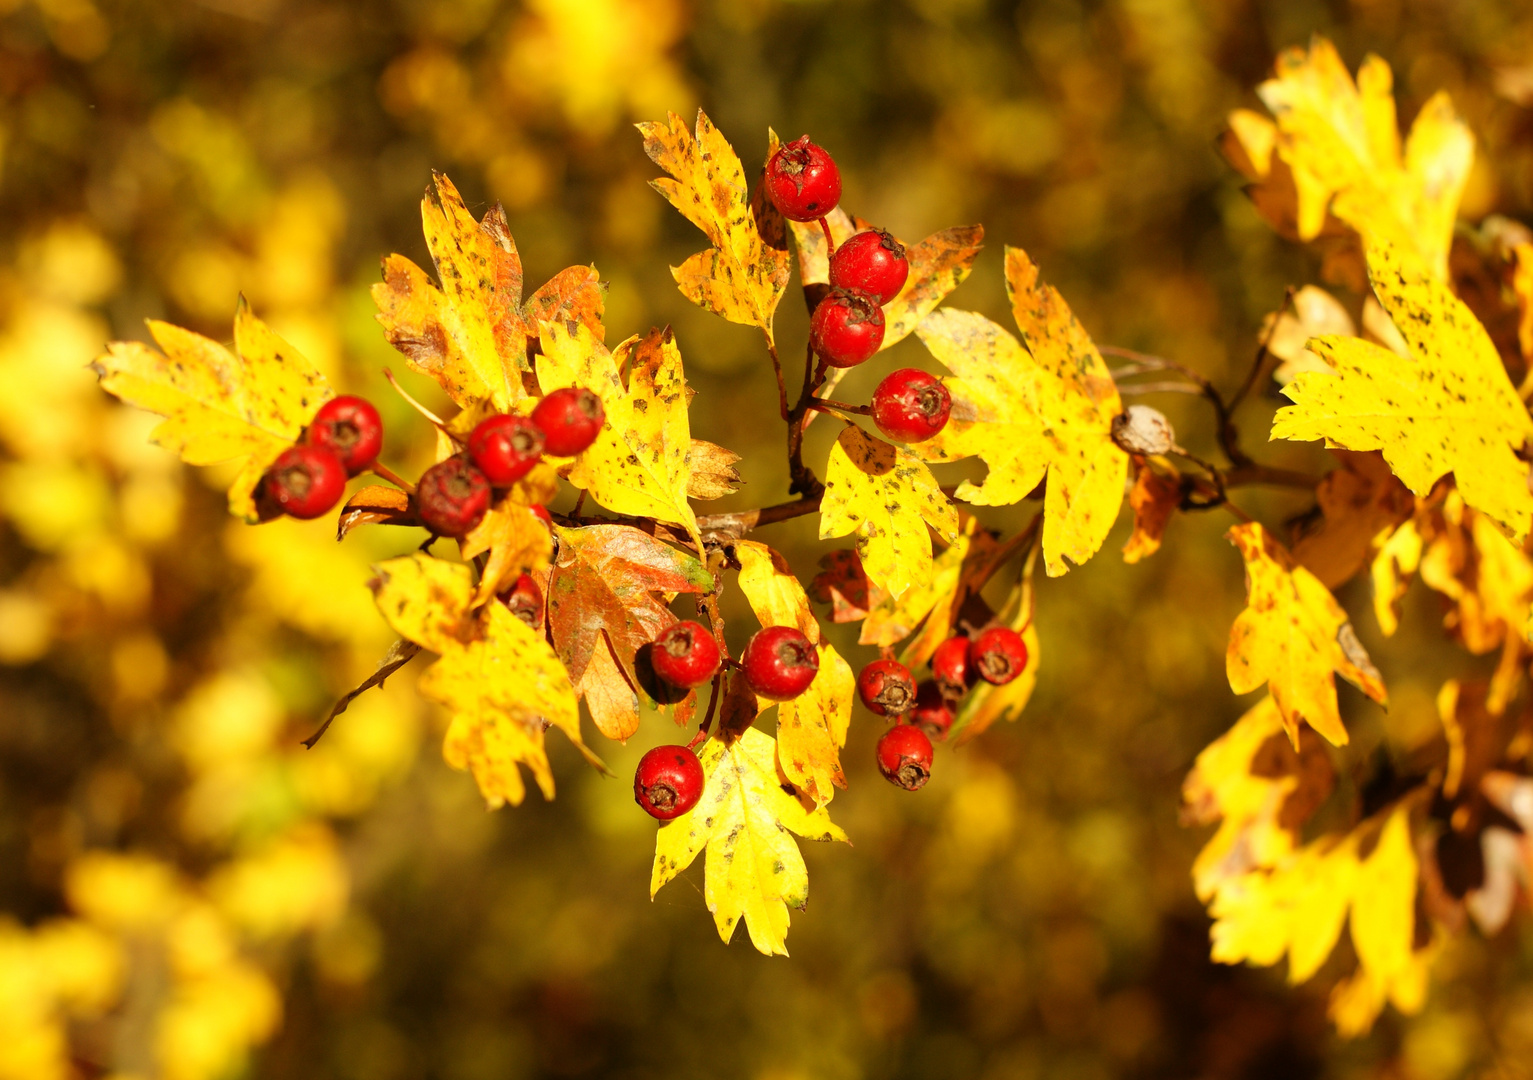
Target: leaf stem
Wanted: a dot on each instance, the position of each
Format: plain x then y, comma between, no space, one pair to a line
830,241
383,472
841,406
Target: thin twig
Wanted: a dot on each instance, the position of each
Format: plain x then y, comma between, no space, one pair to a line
782,388
830,241
822,403
1136,389
1263,351
417,406
383,472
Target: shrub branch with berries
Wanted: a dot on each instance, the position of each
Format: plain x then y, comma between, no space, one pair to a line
543,611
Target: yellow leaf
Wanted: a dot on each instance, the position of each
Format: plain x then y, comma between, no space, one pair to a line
1299,906
1314,313
773,590
1040,408
448,333
1292,636
887,497
1396,556
1449,407
811,729
251,403
743,275
1259,788
1359,500
1341,143
639,463
499,680
754,869
953,572
1489,579
517,541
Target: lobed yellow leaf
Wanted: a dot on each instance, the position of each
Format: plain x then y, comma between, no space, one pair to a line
754,869
712,471
743,275
811,729
499,680
984,704
517,542
1488,579
1299,906
1259,788
938,603
252,403
1359,500
639,464
1292,636
1448,407
887,497
773,590
1035,409
1339,146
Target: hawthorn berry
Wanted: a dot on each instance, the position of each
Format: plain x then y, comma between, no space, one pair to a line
779,663
998,655
886,688
847,327
505,447
570,419
933,713
525,600
911,405
540,512
305,481
351,429
685,655
452,497
950,666
905,756
802,180
668,782
872,261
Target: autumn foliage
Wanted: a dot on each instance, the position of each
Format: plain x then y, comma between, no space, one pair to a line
1430,434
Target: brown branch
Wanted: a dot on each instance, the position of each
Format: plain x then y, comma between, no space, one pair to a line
782,387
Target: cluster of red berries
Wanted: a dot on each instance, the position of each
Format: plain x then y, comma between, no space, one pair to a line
454,495
309,477
866,272
779,663
997,655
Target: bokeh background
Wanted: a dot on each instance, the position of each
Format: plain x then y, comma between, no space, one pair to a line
186,892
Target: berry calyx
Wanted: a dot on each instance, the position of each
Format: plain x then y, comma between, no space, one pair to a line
685,655
570,419
525,600
872,261
846,328
911,405
305,481
351,429
998,655
779,663
452,496
668,782
933,713
950,666
505,447
904,756
802,180
886,688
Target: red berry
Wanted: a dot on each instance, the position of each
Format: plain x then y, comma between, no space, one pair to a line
998,655
505,447
905,756
570,418
306,481
886,688
779,663
911,405
452,496
668,782
803,181
847,328
685,655
525,600
950,666
351,429
872,261
540,512
932,714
